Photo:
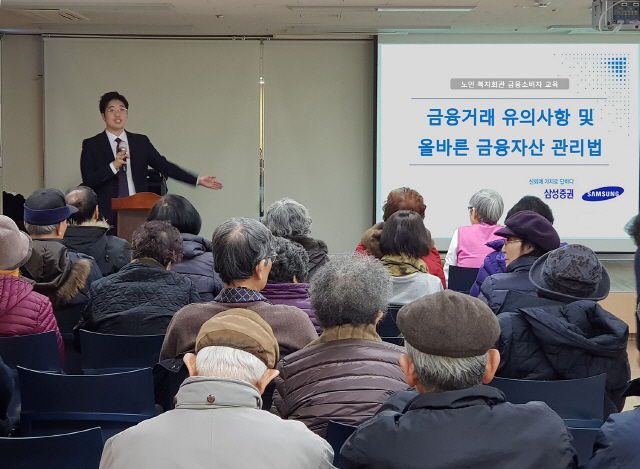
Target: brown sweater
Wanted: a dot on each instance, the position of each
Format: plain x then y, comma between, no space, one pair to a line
291,326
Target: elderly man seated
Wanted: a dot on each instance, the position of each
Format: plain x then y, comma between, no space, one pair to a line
348,372
453,421
217,421
87,233
243,252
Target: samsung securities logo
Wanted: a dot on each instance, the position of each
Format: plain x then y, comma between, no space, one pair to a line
603,193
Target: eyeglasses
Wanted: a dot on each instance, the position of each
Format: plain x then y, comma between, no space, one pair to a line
469,208
510,241
113,109
273,257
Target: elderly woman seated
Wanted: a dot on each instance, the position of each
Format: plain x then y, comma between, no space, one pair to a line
468,246
197,259
528,235
348,372
286,284
144,295
290,219
403,244
402,198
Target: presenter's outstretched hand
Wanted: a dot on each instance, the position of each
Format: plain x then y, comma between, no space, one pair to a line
209,181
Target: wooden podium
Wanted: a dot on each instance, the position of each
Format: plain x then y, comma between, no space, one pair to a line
132,212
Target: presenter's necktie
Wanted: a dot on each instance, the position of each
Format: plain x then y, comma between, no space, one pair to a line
123,185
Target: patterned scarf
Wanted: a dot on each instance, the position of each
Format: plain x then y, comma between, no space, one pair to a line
239,295
402,265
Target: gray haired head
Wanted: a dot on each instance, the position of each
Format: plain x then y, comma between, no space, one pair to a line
286,217
440,374
350,289
239,244
292,261
488,204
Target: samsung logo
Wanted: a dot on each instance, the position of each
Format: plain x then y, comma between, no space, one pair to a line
603,193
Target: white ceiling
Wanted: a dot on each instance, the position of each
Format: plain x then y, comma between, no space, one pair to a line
289,17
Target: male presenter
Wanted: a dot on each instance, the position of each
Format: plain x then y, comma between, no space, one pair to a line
114,162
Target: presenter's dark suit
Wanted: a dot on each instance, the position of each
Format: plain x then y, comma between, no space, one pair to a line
97,174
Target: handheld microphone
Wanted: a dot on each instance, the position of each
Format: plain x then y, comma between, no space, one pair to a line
122,146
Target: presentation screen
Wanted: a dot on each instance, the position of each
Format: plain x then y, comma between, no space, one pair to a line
557,121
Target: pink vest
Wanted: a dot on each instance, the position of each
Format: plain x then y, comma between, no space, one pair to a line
472,244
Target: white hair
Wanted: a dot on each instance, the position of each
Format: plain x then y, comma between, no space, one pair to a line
226,362
489,206
286,218
439,374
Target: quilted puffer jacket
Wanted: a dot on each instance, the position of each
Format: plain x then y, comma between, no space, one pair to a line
140,299
516,278
292,294
335,378
23,311
566,341
197,264
493,264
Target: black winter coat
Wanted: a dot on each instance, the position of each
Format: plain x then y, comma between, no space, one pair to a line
495,287
140,299
197,265
317,251
110,252
470,428
566,341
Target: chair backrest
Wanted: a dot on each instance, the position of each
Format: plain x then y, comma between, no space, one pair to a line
53,403
79,450
583,439
577,399
34,351
107,353
388,329
337,434
461,279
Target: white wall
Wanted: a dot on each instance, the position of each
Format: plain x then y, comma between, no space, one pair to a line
22,107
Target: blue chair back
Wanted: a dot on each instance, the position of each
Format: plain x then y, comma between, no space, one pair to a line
388,329
107,353
580,402
79,450
337,434
34,351
461,279
583,439
53,404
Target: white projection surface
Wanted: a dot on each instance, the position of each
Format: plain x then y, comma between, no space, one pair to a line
558,121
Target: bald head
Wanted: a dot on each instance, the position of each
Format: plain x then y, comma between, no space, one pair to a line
86,201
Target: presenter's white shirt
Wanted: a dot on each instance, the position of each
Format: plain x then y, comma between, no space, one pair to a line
112,141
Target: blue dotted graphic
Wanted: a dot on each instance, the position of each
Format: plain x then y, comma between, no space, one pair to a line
601,75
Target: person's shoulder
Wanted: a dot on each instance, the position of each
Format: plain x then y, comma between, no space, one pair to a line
196,310
97,137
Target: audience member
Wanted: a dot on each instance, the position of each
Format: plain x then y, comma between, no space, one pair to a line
494,262
468,246
633,230
6,392
217,421
243,256
62,276
197,262
571,336
616,445
452,421
403,244
287,280
290,219
142,298
87,233
348,372
528,236
22,310
402,198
